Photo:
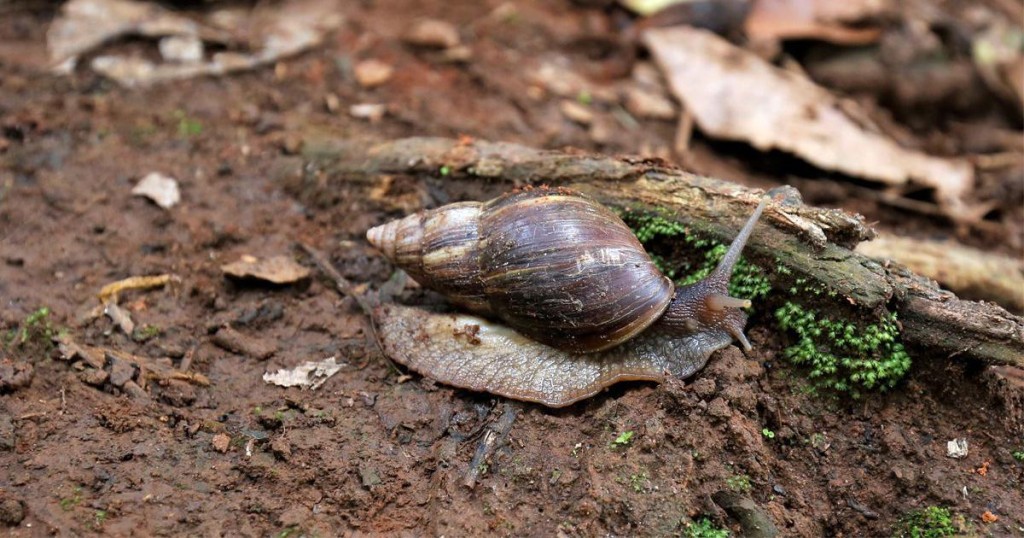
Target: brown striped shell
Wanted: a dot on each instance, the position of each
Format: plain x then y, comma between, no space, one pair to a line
556,266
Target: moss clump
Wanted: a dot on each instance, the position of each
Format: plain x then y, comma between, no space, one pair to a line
739,483
647,226
704,528
748,280
843,355
930,522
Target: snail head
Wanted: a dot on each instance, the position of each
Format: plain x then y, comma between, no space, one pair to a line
706,305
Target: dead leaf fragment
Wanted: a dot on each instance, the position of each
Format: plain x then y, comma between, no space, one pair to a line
161,189
576,112
815,19
735,95
310,374
277,270
272,32
989,517
957,448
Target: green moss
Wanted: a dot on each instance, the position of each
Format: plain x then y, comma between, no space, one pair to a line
704,528
739,483
648,226
930,522
639,481
1018,455
748,280
188,127
844,356
146,333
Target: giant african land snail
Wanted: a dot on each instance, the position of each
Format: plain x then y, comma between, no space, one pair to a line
582,304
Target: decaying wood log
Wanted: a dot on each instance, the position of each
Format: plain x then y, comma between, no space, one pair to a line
812,244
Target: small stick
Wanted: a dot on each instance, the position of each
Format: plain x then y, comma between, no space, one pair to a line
494,436
367,302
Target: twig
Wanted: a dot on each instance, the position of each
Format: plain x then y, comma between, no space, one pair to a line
366,301
494,436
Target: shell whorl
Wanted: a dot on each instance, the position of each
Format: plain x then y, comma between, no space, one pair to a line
439,249
557,267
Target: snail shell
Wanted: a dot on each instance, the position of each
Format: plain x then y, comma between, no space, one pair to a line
581,302
559,268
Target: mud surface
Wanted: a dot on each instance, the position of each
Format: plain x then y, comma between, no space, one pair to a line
376,450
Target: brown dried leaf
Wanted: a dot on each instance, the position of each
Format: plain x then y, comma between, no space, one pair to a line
271,33
816,19
277,270
741,97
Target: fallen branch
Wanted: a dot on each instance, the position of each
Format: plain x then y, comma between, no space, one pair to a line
809,244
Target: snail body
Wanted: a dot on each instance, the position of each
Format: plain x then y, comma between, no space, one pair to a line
581,304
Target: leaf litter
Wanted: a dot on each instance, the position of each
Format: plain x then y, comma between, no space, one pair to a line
735,95
271,32
308,375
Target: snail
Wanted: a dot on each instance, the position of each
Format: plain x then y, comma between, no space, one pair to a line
563,300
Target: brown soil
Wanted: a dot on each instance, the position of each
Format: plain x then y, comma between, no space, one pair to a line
375,450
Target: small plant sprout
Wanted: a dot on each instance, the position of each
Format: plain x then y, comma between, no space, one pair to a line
445,170
1018,455
35,329
767,433
930,522
739,483
624,439
704,528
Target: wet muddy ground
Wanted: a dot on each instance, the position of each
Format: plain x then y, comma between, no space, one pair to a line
375,450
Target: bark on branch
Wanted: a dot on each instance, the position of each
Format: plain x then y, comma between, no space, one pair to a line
812,243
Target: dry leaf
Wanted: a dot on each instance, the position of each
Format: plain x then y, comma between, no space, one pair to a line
309,374
278,270
815,19
161,189
274,31
735,95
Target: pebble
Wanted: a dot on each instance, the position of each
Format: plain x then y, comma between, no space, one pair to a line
12,511
373,112
432,33
373,73
718,408
121,371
